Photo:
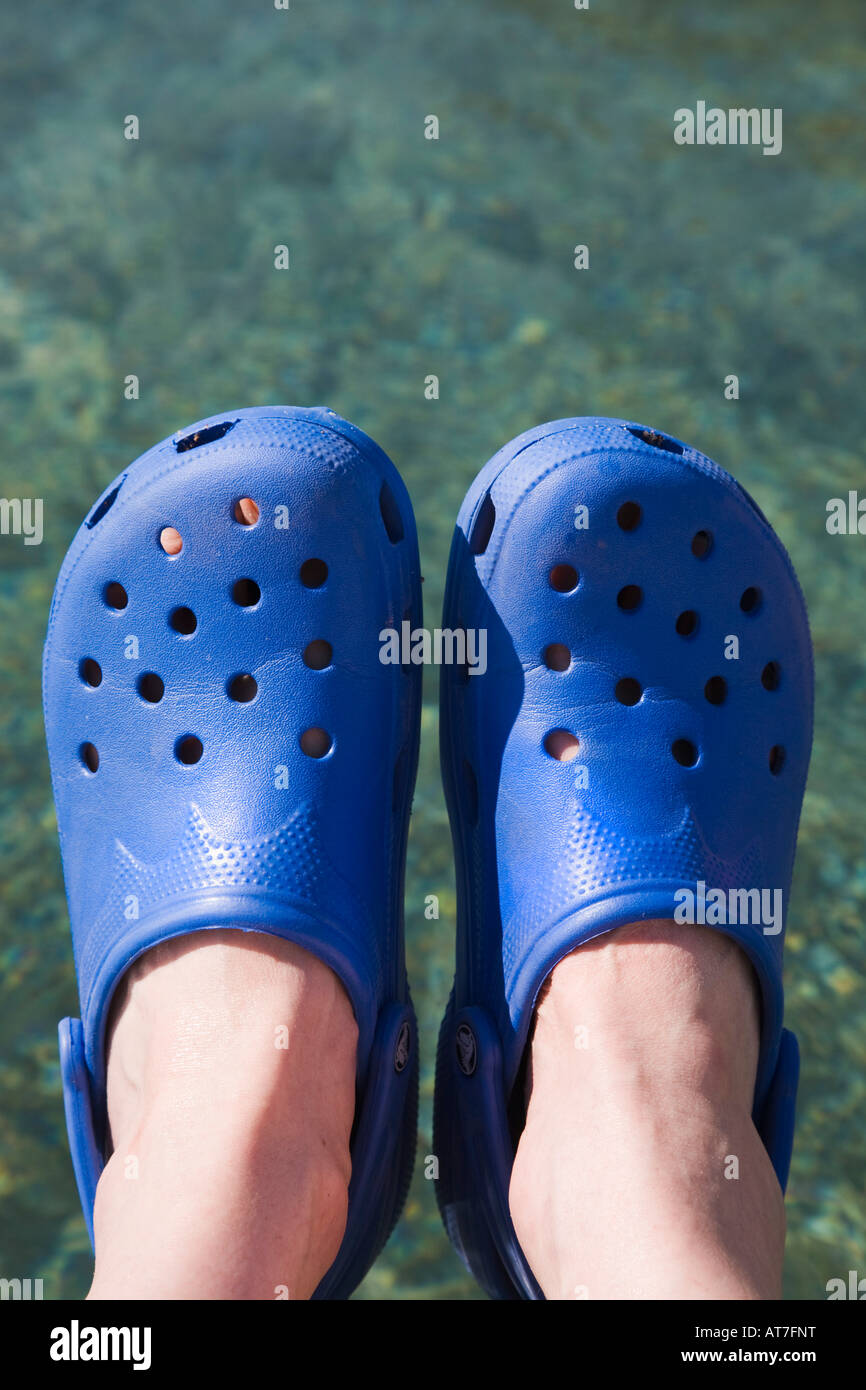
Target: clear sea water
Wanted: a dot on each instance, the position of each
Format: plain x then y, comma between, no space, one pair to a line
412,257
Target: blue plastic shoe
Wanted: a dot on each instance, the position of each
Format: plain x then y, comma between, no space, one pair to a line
634,596
228,750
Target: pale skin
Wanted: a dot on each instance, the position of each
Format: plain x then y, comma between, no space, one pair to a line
231,1164
639,1174
231,1159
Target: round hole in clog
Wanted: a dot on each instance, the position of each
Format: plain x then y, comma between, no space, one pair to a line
313,574
246,593
318,654
561,745
687,623
390,514
629,516
89,757
171,540
629,598
115,595
716,690
184,621
482,526
243,688
771,675
750,600
655,439
90,672
557,657
316,742
246,511
685,752
563,578
151,687
777,759
702,544
628,691
188,749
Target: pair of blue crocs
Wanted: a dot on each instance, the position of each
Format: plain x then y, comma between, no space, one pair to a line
217,713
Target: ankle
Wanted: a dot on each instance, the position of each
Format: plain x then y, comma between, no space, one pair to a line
642,1075
652,1008
227,1024
231,1092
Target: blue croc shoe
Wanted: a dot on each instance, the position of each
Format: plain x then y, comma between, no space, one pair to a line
634,596
228,750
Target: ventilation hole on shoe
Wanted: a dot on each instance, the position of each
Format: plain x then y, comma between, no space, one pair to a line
629,516
104,506
89,756
771,675
313,574
716,690
246,511
470,784
90,672
115,596
390,514
315,742
777,759
658,441
750,600
171,540
630,598
687,623
205,436
557,657
246,593
151,687
561,745
563,578
188,750
184,621
243,688
702,544
685,752
318,654
628,691
482,528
